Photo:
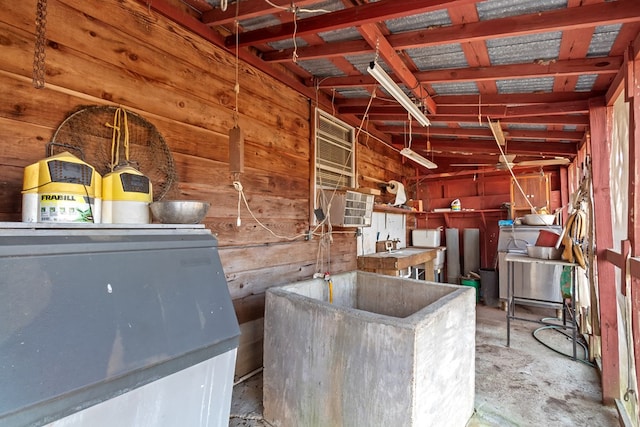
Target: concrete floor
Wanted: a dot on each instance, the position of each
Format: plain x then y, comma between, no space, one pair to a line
526,384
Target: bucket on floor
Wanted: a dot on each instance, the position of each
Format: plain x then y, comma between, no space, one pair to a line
489,283
468,281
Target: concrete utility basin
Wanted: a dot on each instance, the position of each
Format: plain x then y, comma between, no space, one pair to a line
386,352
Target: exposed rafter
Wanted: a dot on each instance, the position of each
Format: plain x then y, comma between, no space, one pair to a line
536,98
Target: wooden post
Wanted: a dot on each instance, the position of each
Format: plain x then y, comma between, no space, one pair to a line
599,118
633,96
564,193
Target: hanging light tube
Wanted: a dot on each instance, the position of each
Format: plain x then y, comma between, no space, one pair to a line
394,90
410,154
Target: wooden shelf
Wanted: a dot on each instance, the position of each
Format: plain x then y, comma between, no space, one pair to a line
464,211
480,212
393,209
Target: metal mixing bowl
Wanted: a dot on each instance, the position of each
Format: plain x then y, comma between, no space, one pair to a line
543,252
538,219
179,211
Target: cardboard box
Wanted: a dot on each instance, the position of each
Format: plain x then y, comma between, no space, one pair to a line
416,204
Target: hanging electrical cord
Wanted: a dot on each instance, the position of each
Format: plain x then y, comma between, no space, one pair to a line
558,328
628,333
503,156
295,10
236,87
241,197
294,55
293,7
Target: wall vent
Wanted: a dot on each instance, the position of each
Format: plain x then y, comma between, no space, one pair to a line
335,156
347,208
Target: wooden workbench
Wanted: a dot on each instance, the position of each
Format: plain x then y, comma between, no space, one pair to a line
393,263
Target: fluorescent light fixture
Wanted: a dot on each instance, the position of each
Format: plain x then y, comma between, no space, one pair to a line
394,90
410,154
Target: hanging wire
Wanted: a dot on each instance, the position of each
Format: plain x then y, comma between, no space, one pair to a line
294,7
295,10
120,125
236,88
294,55
502,155
410,131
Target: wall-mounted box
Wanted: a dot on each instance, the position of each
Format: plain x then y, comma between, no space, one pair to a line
347,208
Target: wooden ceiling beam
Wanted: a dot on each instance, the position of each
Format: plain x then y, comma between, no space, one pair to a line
553,68
569,107
168,10
355,16
376,39
589,16
482,100
511,134
490,147
495,112
248,10
325,50
571,67
569,120
200,6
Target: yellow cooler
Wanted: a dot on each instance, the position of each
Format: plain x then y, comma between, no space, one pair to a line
61,188
127,194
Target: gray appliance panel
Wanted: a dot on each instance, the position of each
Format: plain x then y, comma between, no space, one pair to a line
88,316
536,281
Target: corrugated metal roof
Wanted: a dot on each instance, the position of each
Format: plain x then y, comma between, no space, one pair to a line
340,35
523,49
462,88
353,93
321,67
543,84
445,51
438,57
585,82
493,9
361,62
473,125
288,43
419,22
602,40
525,126
259,22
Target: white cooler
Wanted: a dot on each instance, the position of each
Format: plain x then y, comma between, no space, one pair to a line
430,238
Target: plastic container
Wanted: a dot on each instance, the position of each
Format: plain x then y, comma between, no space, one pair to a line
475,283
543,252
426,238
455,205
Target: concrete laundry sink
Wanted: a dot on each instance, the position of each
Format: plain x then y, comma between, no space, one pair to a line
372,350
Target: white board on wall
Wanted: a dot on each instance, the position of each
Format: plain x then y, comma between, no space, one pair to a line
384,226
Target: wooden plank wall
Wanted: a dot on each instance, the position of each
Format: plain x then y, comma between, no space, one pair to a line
119,52
482,192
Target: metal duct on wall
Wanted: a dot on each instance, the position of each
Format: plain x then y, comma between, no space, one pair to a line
453,255
471,248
